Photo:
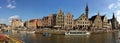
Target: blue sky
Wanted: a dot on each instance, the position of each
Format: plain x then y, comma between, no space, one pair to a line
30,9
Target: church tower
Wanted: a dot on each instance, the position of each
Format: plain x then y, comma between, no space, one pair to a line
87,10
114,22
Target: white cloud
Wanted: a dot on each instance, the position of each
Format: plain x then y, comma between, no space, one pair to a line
12,1
118,12
14,17
104,13
114,5
118,0
111,6
118,4
118,15
0,7
95,13
11,6
118,18
8,0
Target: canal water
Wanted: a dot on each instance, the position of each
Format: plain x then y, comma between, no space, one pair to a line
112,37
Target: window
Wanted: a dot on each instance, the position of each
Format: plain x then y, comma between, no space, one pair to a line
81,19
85,19
72,32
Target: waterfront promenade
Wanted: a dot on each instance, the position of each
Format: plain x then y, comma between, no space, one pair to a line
9,39
62,32
51,31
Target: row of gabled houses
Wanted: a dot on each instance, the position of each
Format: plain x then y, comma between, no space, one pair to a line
59,20
96,22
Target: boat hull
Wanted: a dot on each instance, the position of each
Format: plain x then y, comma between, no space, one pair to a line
77,33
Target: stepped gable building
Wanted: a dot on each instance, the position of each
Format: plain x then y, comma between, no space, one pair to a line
2,26
69,21
83,22
52,20
96,22
40,23
31,23
104,21
60,19
45,21
101,22
16,23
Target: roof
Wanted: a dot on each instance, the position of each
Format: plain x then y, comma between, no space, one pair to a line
102,17
109,20
92,18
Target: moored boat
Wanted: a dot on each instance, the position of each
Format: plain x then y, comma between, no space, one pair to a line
46,34
76,32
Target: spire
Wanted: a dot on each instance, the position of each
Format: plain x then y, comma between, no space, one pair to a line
60,11
98,13
113,16
87,10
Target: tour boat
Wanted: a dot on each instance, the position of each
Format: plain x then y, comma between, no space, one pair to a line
30,31
74,32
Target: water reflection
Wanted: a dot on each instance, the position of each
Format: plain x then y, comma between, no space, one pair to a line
76,39
93,38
